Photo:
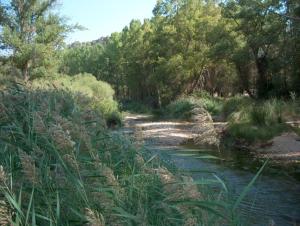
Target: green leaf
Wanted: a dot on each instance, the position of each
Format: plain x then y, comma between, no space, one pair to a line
248,187
29,206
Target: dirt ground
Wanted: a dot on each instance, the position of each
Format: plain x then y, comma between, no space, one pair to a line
283,149
160,133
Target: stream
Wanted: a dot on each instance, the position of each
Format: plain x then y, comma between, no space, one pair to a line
274,199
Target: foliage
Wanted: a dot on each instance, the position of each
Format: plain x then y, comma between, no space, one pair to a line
214,105
87,86
101,58
234,104
155,61
182,108
254,121
266,28
33,35
59,165
135,107
188,46
248,119
250,133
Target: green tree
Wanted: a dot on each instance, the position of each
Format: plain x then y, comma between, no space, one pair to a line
192,45
82,57
263,29
33,34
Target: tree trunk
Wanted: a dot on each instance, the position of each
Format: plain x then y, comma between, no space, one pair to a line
25,72
244,79
262,82
158,98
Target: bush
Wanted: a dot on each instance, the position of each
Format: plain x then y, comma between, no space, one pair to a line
114,119
266,113
180,109
251,133
257,120
88,86
235,104
135,107
212,105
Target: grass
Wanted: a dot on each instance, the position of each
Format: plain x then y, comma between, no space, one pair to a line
259,120
248,120
250,133
60,165
182,108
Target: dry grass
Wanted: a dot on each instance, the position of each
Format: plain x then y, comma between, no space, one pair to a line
60,165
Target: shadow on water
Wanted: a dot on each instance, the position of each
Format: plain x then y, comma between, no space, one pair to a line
275,196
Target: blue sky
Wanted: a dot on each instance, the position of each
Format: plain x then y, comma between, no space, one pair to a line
102,17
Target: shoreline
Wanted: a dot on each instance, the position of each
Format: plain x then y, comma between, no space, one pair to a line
283,150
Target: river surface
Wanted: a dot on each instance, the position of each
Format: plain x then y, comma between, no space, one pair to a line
274,199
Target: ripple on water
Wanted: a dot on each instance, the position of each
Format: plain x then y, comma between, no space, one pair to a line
272,198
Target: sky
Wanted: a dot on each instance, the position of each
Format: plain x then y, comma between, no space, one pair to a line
102,17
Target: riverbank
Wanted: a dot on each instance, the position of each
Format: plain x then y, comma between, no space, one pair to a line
282,150
266,129
170,133
60,164
273,198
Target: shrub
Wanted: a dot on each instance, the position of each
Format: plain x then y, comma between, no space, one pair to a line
235,104
212,105
258,120
114,119
135,107
181,108
86,85
251,133
267,113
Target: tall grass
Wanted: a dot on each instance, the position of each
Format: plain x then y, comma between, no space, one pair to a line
249,120
59,165
182,108
259,120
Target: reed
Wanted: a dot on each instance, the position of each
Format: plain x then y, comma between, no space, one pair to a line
60,165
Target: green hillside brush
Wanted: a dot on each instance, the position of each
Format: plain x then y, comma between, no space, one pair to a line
101,93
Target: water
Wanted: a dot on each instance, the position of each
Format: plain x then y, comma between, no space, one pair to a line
275,197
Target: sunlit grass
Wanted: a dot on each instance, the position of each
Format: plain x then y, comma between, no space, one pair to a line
61,166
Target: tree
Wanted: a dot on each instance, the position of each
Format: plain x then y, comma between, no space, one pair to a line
263,29
192,45
33,34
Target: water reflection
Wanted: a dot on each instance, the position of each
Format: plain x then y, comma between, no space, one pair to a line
275,197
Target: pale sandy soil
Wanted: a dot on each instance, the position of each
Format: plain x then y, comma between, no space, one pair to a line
160,133
284,148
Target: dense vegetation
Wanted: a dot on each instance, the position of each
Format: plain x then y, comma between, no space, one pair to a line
59,165
248,120
228,48
101,93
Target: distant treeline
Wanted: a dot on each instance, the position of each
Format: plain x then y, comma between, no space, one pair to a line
224,48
